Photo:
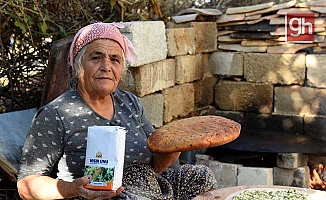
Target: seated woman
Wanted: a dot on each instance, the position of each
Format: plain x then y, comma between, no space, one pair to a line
54,151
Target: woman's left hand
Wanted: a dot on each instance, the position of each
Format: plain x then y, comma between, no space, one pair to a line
78,189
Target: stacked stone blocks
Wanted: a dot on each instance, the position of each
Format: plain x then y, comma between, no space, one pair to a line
291,170
182,64
172,70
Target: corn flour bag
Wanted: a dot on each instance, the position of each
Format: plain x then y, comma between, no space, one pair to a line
105,153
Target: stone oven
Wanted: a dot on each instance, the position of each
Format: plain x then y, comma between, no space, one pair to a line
276,90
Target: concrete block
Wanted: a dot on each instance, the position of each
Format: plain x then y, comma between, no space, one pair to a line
274,122
316,70
291,160
203,159
188,68
301,177
283,176
292,177
205,65
255,176
149,78
205,36
314,127
153,106
127,81
180,41
171,24
189,157
233,115
299,100
207,110
179,101
283,69
225,173
244,96
226,63
149,40
204,92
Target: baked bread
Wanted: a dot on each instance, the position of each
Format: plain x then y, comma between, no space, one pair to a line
193,133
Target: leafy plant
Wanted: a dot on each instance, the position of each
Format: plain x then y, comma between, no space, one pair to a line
28,29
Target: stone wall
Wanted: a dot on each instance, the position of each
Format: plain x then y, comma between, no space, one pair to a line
181,73
291,170
172,77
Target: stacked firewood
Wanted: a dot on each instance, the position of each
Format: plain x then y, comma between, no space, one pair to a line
264,28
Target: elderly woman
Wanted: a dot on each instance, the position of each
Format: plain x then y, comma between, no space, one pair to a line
54,151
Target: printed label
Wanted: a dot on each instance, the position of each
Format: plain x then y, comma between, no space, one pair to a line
299,27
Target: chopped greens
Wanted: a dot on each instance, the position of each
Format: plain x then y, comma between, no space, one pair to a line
290,194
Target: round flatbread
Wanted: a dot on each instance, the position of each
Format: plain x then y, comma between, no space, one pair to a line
193,133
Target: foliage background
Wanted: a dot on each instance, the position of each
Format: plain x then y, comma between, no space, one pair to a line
29,27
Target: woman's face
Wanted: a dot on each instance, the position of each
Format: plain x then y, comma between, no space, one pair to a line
102,67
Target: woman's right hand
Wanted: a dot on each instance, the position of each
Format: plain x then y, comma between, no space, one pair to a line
77,188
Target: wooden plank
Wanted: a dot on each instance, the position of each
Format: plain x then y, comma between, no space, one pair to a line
229,18
250,43
321,25
187,18
269,17
238,47
319,9
289,48
320,3
201,11
281,21
230,24
317,38
321,33
319,49
171,24
281,30
263,26
224,32
57,72
274,8
245,9
322,44
228,39
252,35
296,11
252,17
277,21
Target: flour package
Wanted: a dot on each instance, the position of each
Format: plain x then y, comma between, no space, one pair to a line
105,157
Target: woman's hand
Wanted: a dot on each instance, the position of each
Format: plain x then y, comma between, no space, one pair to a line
44,187
78,190
163,160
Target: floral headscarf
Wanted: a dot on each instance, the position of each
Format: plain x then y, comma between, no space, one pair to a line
100,31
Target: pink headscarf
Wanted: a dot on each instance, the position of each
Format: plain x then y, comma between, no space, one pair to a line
100,31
